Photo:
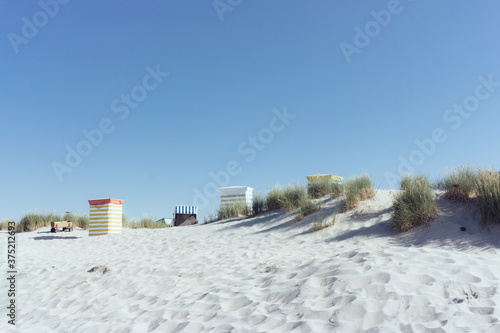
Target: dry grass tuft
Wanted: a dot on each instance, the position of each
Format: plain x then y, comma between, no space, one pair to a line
318,188
415,205
308,208
459,183
358,189
320,225
488,195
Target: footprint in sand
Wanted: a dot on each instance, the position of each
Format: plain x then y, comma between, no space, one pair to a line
378,292
467,277
342,301
349,254
133,308
322,304
209,316
202,306
328,281
234,304
268,283
425,313
257,320
358,283
155,324
382,278
246,312
180,315
290,297
273,297
425,280
482,311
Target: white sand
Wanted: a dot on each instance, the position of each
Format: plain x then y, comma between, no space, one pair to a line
266,275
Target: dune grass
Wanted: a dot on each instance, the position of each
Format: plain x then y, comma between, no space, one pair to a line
358,189
148,222
463,183
289,198
321,187
295,196
79,221
210,218
4,225
258,204
408,182
275,197
33,221
459,183
307,208
488,195
233,209
322,224
415,205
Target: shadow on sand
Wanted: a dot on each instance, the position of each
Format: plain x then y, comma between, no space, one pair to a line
54,237
456,225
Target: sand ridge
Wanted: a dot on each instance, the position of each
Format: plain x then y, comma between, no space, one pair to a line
266,274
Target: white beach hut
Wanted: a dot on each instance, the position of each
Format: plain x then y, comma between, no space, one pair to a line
236,194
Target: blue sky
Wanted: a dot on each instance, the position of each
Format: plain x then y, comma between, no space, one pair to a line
277,90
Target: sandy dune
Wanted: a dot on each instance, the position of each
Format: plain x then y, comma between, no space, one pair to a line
266,274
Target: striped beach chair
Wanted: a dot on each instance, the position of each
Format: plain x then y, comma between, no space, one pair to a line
185,215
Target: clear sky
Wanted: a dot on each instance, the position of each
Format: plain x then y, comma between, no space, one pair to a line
160,102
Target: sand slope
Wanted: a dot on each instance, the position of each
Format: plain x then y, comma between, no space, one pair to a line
266,274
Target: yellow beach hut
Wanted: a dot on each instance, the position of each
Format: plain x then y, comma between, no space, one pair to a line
318,177
105,216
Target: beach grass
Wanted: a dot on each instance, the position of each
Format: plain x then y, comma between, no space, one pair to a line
258,204
295,196
307,208
488,195
323,186
459,183
358,189
210,218
415,204
148,222
322,224
32,221
230,210
233,209
79,221
4,224
275,197
289,198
